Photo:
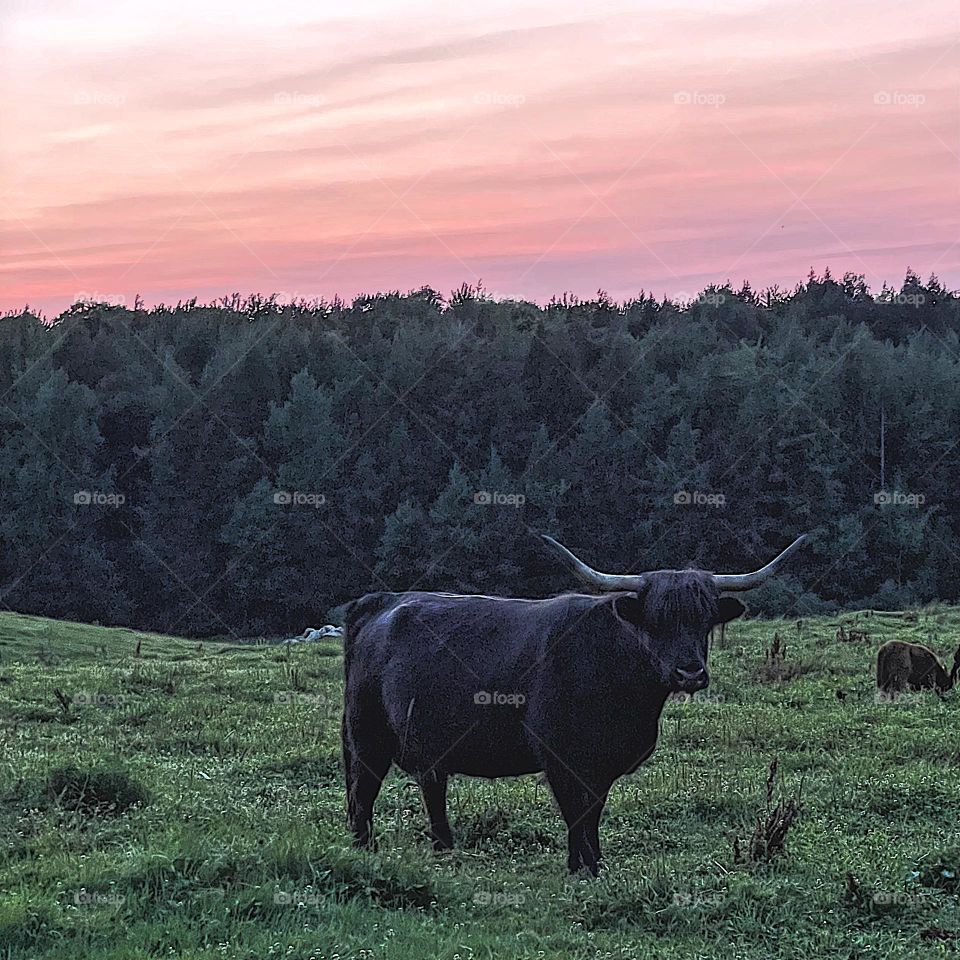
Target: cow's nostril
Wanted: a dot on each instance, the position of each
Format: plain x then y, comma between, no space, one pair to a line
695,677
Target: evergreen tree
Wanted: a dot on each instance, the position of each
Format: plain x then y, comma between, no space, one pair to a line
268,461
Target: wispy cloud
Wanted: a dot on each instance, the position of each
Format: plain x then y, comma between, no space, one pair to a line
192,150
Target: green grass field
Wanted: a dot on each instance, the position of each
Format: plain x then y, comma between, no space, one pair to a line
228,839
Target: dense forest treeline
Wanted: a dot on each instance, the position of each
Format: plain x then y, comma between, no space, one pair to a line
244,467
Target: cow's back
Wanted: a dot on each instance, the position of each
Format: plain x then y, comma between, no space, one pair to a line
457,677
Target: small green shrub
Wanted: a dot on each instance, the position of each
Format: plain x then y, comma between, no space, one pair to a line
95,791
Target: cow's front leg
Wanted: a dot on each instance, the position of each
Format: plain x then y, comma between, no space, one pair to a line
581,802
433,786
592,857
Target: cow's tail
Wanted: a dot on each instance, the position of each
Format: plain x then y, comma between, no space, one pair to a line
355,616
358,612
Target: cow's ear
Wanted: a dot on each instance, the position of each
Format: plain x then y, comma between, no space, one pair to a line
629,607
729,608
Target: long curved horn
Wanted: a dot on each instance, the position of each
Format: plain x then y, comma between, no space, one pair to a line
746,581
731,582
594,578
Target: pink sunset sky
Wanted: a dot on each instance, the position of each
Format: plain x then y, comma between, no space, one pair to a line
175,149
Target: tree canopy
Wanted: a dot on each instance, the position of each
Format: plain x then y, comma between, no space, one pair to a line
244,467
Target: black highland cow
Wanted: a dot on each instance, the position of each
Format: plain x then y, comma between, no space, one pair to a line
572,686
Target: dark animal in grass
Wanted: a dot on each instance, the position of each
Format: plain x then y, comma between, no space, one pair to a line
912,666
573,686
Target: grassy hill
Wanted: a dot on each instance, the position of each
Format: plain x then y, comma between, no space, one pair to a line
186,800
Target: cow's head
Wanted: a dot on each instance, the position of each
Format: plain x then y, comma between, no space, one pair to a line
670,616
671,612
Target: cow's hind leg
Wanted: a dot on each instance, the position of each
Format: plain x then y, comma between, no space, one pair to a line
433,786
367,755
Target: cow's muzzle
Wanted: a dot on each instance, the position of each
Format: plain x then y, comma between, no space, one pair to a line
690,680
